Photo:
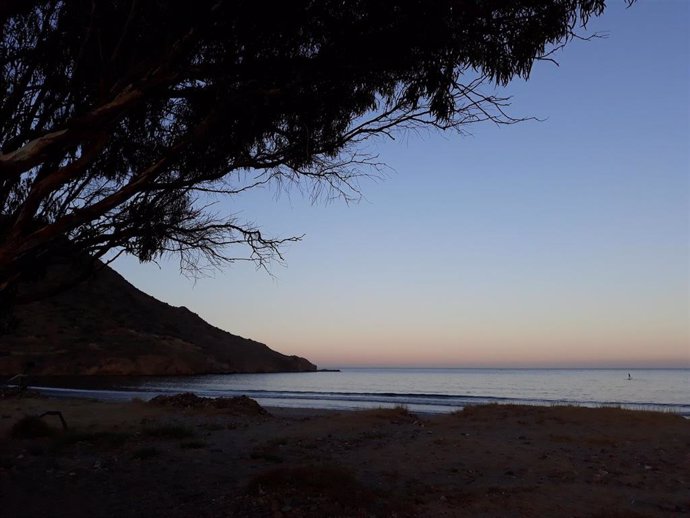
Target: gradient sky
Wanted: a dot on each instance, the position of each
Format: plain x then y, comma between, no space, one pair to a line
555,243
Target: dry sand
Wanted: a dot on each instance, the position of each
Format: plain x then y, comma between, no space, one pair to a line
137,459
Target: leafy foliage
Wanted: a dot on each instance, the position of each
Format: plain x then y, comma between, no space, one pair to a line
121,121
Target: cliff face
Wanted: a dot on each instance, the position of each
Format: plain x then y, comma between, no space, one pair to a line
106,326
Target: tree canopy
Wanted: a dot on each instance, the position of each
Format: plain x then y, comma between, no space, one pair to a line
119,119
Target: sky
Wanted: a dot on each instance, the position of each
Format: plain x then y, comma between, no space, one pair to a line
563,242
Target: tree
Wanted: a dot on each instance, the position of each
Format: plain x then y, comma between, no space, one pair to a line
120,119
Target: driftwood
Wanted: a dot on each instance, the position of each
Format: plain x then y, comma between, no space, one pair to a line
57,413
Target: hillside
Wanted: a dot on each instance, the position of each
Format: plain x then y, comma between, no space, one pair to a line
106,326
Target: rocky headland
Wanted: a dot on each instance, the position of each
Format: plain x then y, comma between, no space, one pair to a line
106,326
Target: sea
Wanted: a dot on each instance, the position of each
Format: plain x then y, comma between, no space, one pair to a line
419,389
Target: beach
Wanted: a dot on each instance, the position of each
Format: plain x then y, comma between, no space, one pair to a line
179,458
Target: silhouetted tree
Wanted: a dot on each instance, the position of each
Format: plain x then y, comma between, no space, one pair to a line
121,119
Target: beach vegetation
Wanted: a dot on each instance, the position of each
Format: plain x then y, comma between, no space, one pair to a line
639,414
32,427
563,413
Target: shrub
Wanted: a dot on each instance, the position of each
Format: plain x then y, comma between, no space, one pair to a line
31,427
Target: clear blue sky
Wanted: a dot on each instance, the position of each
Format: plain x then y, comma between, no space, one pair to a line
555,243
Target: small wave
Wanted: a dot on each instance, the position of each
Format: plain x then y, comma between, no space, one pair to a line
437,403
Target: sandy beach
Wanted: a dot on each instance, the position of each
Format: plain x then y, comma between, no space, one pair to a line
143,459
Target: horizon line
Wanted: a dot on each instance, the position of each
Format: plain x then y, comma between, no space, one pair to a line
503,367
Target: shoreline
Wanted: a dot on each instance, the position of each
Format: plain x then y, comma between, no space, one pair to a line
353,402
142,459
421,390
132,397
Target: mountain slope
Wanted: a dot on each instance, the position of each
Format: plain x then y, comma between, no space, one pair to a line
107,326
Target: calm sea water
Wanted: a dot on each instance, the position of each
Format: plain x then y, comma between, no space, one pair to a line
422,390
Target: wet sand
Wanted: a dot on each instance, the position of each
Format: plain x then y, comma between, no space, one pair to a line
138,459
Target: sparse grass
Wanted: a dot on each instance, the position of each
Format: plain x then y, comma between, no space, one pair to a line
31,427
614,413
648,412
562,413
146,452
169,432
